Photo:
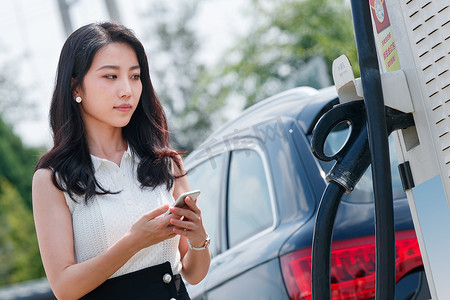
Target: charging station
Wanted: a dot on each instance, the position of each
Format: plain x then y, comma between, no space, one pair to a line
412,45
419,33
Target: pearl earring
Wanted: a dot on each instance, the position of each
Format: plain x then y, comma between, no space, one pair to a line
78,99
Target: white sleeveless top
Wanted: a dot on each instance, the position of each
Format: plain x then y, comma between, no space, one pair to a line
106,218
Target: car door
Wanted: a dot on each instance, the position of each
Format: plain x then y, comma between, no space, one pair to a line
207,175
248,267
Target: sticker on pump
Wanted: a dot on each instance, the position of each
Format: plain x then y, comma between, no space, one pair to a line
385,35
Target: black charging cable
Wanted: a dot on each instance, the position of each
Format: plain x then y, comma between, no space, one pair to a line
352,160
378,141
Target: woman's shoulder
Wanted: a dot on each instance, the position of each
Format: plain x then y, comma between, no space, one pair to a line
43,175
44,190
43,180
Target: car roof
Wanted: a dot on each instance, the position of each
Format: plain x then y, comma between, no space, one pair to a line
304,104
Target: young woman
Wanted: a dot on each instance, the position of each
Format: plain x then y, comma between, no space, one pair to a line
101,193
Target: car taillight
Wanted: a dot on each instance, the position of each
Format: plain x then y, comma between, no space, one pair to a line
352,267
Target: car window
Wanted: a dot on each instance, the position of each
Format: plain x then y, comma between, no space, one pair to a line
206,178
249,209
363,190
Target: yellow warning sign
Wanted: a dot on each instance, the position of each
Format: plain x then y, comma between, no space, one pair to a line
390,56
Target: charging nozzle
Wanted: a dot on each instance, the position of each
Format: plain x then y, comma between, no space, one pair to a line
352,160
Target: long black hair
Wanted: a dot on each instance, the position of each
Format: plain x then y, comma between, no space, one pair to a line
146,133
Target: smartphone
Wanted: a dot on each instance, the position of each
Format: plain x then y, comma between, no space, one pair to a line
180,201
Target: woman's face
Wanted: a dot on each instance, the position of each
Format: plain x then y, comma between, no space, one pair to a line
111,88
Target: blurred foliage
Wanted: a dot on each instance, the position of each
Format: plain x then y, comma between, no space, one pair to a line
290,43
16,103
17,162
10,93
19,253
179,76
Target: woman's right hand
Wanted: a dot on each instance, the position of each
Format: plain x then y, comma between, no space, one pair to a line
152,228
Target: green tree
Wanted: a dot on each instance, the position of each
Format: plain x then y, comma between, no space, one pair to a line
17,162
179,77
289,43
19,253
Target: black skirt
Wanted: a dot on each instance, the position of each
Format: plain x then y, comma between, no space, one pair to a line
153,283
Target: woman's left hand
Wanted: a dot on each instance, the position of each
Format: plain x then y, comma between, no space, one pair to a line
188,223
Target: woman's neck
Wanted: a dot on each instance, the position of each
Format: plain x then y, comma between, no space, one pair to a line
107,144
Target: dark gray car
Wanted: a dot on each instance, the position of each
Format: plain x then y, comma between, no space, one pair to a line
261,187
